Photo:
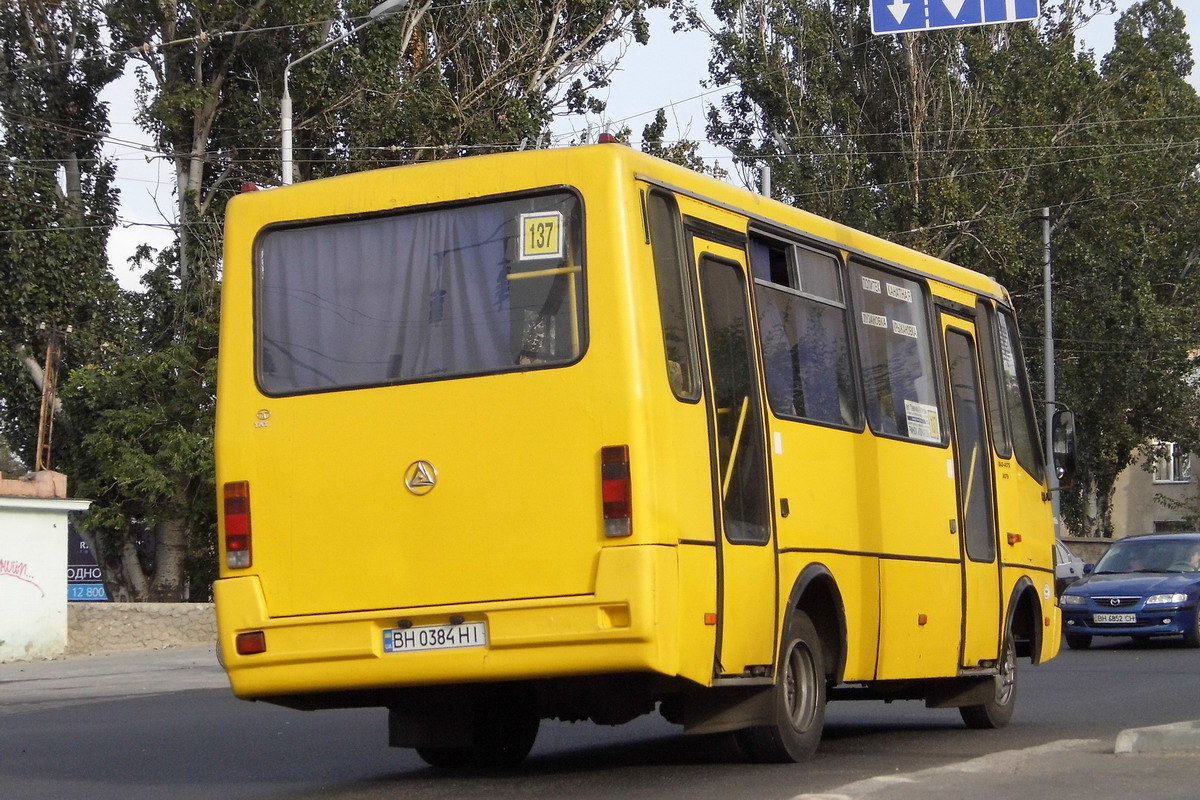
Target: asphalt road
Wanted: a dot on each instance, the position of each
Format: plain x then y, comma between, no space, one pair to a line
206,744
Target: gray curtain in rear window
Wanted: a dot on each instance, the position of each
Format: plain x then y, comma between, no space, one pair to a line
384,300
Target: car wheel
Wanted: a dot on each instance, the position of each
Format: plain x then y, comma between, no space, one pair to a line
997,712
503,727
1192,637
1079,641
797,700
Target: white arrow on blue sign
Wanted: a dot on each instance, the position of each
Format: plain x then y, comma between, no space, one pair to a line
902,16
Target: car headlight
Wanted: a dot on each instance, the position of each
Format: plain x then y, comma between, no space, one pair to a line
1072,600
1166,599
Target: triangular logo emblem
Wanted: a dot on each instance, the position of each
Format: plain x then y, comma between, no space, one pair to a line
420,477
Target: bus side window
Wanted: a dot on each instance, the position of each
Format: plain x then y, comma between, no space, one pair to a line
1021,418
674,304
997,419
802,325
892,324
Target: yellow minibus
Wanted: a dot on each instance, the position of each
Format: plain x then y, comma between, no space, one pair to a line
581,434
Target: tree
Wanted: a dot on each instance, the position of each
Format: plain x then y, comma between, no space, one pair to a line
947,141
435,81
1129,317
57,206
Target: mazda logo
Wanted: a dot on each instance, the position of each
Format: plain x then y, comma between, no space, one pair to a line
1115,601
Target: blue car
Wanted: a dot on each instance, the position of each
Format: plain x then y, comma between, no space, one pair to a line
1143,586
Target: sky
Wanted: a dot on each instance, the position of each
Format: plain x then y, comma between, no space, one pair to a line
667,73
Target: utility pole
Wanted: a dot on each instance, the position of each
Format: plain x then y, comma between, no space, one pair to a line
286,176
46,417
182,184
1048,359
765,189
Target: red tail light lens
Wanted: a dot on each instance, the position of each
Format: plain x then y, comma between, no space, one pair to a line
237,525
252,643
617,490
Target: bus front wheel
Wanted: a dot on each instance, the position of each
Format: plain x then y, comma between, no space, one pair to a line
997,712
797,699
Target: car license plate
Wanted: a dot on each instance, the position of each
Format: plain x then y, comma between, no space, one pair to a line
435,637
1114,618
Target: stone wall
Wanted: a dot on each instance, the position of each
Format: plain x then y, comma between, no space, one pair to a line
105,627
1088,549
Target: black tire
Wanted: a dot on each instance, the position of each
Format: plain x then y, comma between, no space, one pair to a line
504,726
1192,637
997,712
797,699
1079,641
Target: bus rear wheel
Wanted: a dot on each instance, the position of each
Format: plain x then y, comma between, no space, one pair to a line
503,728
797,700
997,712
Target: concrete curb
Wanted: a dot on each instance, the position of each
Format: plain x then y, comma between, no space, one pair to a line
1177,737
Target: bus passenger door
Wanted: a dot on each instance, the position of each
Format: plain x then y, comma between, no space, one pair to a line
976,498
746,569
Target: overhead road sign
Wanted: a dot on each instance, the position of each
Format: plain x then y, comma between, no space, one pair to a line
904,16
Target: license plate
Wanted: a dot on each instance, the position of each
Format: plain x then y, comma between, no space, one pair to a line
1114,618
435,637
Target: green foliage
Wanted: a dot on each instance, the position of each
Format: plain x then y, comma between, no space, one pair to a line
53,265
10,465
1188,509
683,152
438,80
949,141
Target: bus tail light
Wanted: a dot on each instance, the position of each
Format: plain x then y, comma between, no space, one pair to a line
616,490
237,525
253,643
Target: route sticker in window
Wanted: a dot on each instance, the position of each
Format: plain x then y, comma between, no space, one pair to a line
874,320
923,421
541,235
899,293
1006,353
904,329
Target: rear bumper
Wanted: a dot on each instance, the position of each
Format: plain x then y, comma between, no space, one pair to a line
627,624
1157,622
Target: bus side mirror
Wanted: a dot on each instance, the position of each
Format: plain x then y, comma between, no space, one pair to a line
1064,446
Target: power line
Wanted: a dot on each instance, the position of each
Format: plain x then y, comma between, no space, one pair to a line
206,36
976,173
996,128
124,223
84,132
1028,211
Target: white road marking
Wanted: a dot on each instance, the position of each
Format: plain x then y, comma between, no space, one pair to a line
1005,760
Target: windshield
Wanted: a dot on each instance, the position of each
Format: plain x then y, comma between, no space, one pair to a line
436,293
1153,556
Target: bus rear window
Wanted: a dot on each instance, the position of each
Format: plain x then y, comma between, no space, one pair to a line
449,292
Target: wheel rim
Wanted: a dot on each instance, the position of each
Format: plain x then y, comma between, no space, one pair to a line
1007,679
800,687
